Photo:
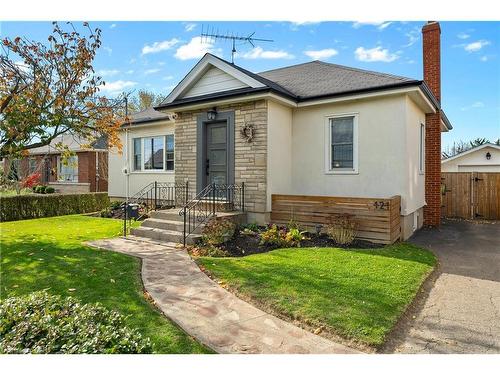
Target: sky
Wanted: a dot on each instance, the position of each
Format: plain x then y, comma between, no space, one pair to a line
156,55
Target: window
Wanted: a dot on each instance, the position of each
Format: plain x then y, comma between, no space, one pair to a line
32,165
341,136
153,153
68,169
169,152
421,150
137,154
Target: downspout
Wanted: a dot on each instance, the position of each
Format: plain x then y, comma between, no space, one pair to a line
97,171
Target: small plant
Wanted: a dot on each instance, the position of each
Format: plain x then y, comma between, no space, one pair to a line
115,205
39,323
31,181
342,229
218,231
294,237
49,190
38,189
253,227
273,236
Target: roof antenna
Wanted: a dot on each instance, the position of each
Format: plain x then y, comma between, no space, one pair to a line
212,36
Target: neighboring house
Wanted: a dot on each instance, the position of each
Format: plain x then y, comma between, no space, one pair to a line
484,158
316,129
85,171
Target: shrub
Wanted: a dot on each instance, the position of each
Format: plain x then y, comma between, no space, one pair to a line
31,180
38,189
294,237
106,212
218,231
342,229
49,190
115,205
41,323
273,236
34,206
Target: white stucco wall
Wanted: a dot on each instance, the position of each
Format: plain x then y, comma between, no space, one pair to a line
474,161
415,179
279,150
387,154
137,180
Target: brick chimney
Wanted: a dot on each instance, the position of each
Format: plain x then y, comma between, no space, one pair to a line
431,36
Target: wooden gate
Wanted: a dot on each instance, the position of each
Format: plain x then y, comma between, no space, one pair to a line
471,195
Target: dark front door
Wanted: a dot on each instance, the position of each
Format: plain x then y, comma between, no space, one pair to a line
216,164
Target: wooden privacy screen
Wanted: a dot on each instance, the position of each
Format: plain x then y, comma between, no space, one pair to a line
471,195
378,220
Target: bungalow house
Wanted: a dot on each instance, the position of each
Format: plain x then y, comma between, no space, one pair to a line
484,158
319,134
85,171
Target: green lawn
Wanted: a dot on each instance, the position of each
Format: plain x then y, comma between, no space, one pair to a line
357,294
48,254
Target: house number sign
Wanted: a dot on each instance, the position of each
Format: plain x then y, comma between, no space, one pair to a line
381,205
248,132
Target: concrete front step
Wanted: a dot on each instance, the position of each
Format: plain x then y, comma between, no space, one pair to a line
164,235
173,225
171,215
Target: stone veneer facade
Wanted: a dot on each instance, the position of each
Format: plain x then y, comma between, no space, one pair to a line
250,159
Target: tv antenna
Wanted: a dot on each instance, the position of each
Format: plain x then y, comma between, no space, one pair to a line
212,35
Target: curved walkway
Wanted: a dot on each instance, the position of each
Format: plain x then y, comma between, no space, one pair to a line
214,316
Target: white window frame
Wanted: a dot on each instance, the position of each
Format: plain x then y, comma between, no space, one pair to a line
150,171
421,149
75,168
328,146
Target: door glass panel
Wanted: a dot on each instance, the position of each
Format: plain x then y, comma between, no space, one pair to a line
218,178
218,134
218,157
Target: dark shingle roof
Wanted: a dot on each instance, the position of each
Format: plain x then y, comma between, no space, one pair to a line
318,78
148,115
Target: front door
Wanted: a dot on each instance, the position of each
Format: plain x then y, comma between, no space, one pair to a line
216,163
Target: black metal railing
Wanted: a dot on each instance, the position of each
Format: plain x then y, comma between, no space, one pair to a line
212,199
160,195
157,195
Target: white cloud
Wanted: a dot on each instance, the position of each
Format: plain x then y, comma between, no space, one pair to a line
130,71
295,25
476,46
117,86
381,25
168,78
108,72
151,71
413,37
260,53
159,46
195,49
374,54
112,26
463,35
107,49
189,27
321,54
472,106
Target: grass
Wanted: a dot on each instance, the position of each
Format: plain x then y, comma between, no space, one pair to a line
356,294
48,254
13,192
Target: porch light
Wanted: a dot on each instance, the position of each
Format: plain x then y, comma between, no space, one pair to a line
212,114
488,156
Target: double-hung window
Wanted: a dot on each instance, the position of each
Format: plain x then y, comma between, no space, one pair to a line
153,153
341,144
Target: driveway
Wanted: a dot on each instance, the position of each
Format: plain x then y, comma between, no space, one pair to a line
462,311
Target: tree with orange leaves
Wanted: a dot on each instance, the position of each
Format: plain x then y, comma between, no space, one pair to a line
49,89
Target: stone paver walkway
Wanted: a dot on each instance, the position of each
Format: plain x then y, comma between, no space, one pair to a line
214,316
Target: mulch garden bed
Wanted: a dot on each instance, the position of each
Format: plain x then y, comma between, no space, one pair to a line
243,244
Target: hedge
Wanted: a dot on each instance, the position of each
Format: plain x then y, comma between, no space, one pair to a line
33,206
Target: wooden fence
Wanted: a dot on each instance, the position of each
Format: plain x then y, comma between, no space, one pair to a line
471,195
378,220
